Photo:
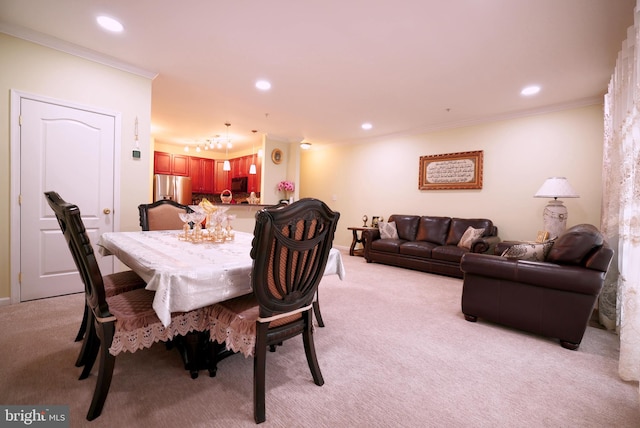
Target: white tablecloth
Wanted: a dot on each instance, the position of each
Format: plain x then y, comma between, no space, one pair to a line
187,276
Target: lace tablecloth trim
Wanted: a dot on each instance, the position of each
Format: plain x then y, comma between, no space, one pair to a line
239,334
144,337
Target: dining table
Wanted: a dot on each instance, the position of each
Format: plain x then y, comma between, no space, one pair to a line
188,275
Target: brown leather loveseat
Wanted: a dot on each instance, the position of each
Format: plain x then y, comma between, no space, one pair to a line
428,243
553,298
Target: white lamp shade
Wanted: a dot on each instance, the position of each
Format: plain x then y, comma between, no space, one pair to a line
252,169
556,187
226,166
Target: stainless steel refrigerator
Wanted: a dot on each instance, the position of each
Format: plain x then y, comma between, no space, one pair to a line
174,187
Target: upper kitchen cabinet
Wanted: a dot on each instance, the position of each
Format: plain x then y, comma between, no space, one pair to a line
202,172
167,163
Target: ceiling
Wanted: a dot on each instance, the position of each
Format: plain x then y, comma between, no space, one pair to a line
406,67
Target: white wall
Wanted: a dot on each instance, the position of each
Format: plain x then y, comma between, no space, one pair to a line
32,68
381,177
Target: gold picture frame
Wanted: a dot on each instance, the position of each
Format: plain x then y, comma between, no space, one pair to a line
451,171
276,156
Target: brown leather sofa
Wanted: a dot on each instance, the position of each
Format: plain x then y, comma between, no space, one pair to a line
428,243
553,298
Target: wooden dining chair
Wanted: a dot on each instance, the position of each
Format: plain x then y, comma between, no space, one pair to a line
114,284
125,322
162,215
290,248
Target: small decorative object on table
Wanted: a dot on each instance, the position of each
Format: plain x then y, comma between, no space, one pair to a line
253,199
364,220
226,196
374,221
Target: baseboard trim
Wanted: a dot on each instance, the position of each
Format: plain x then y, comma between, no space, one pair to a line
5,301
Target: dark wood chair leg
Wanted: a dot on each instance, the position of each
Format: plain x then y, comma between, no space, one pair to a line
316,310
310,351
87,323
470,318
90,350
83,325
259,370
105,372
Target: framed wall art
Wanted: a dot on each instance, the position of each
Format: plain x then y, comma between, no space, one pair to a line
451,171
276,156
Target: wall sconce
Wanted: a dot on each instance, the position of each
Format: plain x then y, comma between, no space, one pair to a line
555,214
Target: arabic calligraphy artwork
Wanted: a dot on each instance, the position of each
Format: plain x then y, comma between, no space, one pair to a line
451,171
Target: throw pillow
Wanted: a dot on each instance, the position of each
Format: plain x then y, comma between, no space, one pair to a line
469,236
529,251
388,230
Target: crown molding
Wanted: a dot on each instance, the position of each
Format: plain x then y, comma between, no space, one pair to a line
73,49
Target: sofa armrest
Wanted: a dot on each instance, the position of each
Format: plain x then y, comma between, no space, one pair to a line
369,236
485,244
576,279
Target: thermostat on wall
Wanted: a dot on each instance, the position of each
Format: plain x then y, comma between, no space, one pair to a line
136,154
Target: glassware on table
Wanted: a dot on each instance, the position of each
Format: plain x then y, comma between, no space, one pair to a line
198,216
230,233
185,217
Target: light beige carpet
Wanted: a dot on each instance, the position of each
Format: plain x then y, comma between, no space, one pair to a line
395,352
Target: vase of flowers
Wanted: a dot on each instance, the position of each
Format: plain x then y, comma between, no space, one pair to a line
286,187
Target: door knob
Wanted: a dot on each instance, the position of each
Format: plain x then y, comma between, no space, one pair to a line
106,211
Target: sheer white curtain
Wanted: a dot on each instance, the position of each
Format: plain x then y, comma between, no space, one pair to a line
620,301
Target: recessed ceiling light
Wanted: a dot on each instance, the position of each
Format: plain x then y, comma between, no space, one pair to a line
263,85
530,90
109,24
367,126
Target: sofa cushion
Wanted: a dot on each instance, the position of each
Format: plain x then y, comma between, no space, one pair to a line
460,225
451,253
388,230
417,248
387,245
469,236
433,229
536,252
573,246
406,225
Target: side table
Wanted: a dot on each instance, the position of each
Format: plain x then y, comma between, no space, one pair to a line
358,239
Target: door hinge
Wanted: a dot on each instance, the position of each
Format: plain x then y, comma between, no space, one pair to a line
20,120
19,277
20,199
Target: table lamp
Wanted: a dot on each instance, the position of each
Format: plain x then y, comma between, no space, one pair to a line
555,214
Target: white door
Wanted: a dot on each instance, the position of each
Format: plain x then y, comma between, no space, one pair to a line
71,151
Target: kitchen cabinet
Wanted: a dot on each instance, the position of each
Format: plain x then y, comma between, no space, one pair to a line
162,163
202,172
207,175
180,165
222,179
170,164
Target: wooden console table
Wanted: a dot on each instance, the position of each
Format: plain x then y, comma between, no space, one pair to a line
358,240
